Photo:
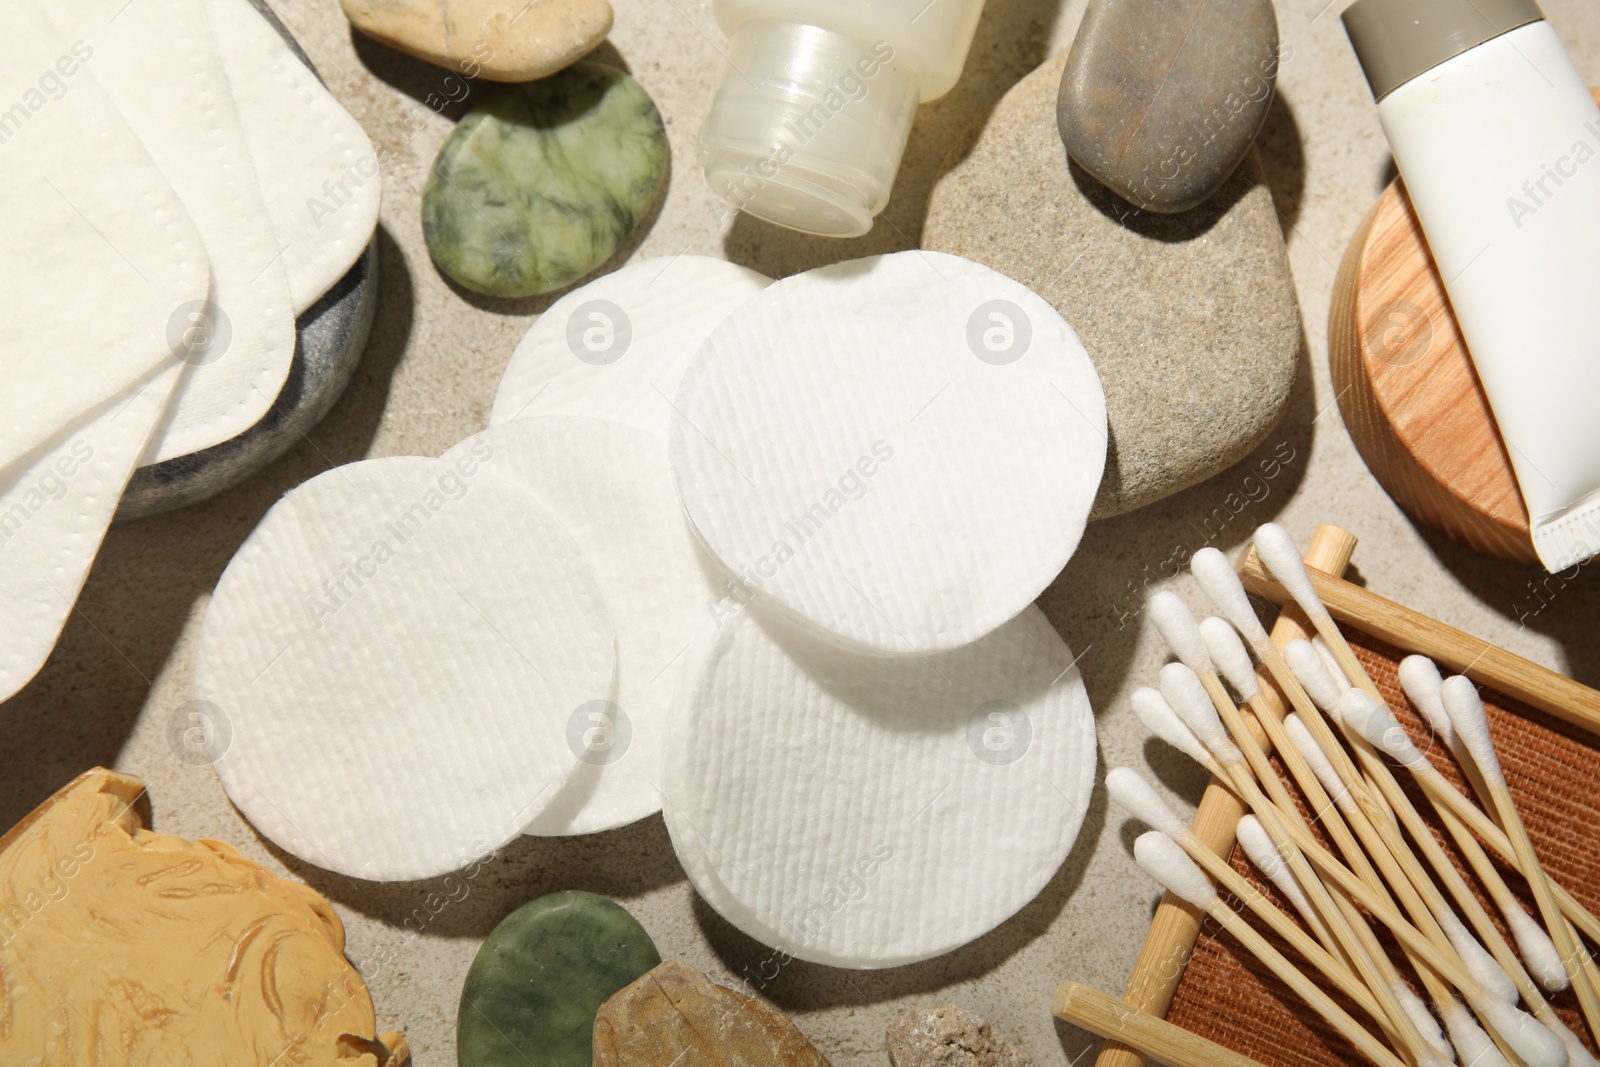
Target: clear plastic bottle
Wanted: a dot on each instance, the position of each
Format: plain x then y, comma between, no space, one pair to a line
810,123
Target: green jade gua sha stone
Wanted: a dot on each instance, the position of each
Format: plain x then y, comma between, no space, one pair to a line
542,182
535,986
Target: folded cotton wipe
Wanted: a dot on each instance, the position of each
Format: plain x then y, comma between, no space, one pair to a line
900,452
611,487
871,811
158,59
96,250
394,655
55,505
617,348
317,169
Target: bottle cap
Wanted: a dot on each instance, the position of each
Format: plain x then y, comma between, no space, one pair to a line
1396,40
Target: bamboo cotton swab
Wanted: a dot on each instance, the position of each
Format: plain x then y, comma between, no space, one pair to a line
1277,553
1465,709
1134,795
1377,724
1536,1045
1258,846
1164,861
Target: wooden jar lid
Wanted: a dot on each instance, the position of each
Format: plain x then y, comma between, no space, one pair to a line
1408,391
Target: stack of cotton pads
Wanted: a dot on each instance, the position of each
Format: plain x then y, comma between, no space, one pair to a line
165,153
795,531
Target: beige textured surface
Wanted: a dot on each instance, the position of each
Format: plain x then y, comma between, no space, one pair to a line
123,665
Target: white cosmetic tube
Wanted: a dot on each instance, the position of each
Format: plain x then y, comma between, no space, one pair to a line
1498,142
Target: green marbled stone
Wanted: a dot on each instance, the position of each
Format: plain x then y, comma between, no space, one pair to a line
535,986
542,182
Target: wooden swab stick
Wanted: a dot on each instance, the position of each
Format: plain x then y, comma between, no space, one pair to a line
1148,704
1466,712
1258,846
1189,699
1216,575
1134,795
1277,552
1156,1038
1536,686
1166,863
1159,965
1374,721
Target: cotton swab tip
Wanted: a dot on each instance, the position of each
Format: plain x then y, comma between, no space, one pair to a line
1175,622
1317,760
1473,1047
1182,688
1217,577
1161,858
1258,845
1423,1019
1537,951
1536,1046
1135,796
1480,965
1420,679
1313,675
1157,715
1465,708
1280,556
1231,658
1374,721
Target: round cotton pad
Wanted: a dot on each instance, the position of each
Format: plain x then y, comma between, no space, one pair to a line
899,451
617,348
871,812
611,487
397,650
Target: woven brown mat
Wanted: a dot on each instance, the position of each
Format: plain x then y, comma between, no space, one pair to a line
1554,773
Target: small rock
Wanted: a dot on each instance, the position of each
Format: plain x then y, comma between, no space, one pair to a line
501,40
541,183
948,1036
1162,98
1190,319
540,977
675,1017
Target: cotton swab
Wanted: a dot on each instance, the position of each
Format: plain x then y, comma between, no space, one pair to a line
1230,657
1163,860
1344,927
1257,845
1377,724
1473,1046
1220,581
1276,550
1462,704
1135,796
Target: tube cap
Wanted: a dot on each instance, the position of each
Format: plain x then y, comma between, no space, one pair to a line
1396,40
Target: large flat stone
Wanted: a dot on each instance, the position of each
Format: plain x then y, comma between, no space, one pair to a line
1190,319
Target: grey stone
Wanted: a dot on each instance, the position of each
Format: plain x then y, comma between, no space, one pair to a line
1162,98
329,338
948,1036
1190,319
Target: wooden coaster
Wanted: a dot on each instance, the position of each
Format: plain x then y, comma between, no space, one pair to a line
1408,391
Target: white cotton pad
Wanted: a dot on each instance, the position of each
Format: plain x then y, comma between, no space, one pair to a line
870,812
56,504
96,249
611,487
617,347
158,61
398,648
899,451
317,170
